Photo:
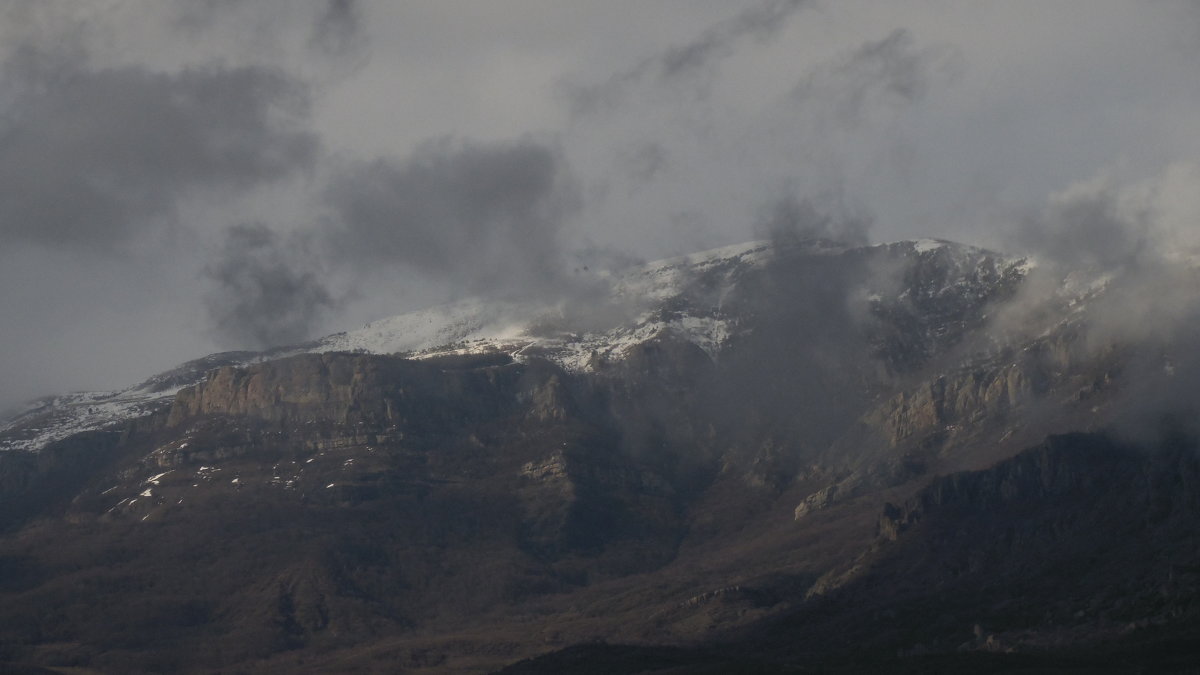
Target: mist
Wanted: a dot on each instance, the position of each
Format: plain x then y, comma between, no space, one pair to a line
486,218
184,177
263,294
1119,259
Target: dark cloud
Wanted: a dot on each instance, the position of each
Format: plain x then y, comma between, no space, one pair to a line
266,291
643,163
477,218
325,40
679,62
791,220
1109,266
91,157
338,29
483,217
878,73
119,117
1085,230
1085,239
758,22
198,15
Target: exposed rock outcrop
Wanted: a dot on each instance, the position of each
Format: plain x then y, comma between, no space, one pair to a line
347,389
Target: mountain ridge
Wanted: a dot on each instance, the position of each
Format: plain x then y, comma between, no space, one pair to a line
464,327
499,498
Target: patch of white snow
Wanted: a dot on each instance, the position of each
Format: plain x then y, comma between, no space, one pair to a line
927,245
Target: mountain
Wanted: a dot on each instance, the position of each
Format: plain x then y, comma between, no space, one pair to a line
794,456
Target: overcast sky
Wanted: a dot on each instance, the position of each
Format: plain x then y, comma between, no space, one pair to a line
182,177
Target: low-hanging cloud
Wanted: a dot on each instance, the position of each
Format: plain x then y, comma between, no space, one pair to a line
266,290
90,157
703,122
1118,261
791,220
681,61
330,28
338,29
759,22
892,71
1085,227
482,217
468,217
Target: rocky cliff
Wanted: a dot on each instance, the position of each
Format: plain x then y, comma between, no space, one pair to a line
1042,549
705,459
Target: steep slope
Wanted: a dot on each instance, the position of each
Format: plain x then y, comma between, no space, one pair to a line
1077,555
322,499
697,455
1077,542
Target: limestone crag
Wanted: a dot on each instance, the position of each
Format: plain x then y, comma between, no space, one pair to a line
1060,468
346,389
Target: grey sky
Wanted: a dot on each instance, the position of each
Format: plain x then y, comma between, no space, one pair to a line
354,147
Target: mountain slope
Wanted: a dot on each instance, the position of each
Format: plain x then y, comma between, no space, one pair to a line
688,297
699,454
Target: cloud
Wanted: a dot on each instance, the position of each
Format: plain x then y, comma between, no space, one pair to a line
479,218
680,62
199,15
1088,225
878,74
759,22
266,291
91,157
1116,260
716,114
482,217
790,220
338,30
642,163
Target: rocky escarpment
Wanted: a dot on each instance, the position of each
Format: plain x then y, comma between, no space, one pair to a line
352,494
537,426
975,413
928,297
350,389
498,498
1040,563
31,484
1070,519
1076,466
1060,370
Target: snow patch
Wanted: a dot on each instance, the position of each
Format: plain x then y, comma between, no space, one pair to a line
58,417
927,245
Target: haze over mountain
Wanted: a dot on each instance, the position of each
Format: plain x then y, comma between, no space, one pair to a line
779,456
185,177
330,343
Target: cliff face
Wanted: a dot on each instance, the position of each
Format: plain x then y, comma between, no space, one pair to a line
352,494
948,401
32,484
349,389
1064,468
715,465
531,427
1046,546
1076,555
1056,371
